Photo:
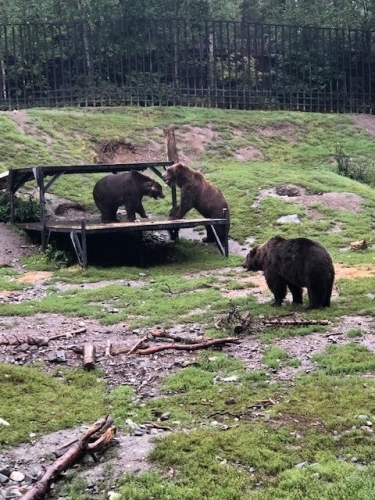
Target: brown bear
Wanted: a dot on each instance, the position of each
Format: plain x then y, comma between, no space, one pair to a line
127,188
294,263
198,193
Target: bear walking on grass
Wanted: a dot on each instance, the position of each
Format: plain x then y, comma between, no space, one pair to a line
198,193
127,188
294,263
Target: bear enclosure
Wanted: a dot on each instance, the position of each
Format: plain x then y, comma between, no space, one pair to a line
166,62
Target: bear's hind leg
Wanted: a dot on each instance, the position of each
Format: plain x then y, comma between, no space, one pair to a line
296,292
317,297
109,215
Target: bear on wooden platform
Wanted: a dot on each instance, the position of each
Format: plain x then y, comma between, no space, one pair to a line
127,188
294,263
198,193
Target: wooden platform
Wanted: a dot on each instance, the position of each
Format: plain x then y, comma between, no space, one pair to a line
78,229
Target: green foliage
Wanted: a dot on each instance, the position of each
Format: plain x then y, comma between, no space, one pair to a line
360,170
26,209
32,401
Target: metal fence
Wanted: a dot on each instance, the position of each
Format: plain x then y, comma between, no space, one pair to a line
192,63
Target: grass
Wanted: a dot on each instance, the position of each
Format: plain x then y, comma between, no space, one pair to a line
34,402
237,433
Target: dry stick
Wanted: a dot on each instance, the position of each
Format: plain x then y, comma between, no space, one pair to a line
181,347
76,451
89,351
137,344
68,334
175,337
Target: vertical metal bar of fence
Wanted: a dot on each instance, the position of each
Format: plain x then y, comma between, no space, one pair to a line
5,74
236,59
269,72
262,58
213,64
338,75
274,73
13,47
369,97
363,53
30,59
45,52
37,67
256,67
60,66
186,86
356,55
222,75
350,72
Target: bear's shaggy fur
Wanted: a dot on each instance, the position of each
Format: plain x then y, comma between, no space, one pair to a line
127,188
294,263
198,193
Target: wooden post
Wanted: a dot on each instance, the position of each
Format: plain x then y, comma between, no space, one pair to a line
172,155
170,145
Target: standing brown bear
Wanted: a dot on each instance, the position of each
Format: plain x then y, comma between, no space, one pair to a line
127,188
294,263
198,193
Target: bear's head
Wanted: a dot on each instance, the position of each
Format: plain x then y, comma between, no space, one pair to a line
174,174
254,259
154,189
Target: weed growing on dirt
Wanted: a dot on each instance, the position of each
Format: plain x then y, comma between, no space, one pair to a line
34,402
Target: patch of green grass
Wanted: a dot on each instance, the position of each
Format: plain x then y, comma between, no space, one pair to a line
33,402
275,357
353,333
144,306
199,395
350,358
330,479
332,401
8,280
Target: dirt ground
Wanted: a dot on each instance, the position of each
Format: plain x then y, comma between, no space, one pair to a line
143,373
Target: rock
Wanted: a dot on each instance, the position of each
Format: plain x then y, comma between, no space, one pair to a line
302,465
57,356
289,219
3,422
112,495
17,476
165,416
3,478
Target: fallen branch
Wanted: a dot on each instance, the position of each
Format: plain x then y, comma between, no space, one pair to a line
137,345
78,449
15,340
295,322
68,334
180,347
